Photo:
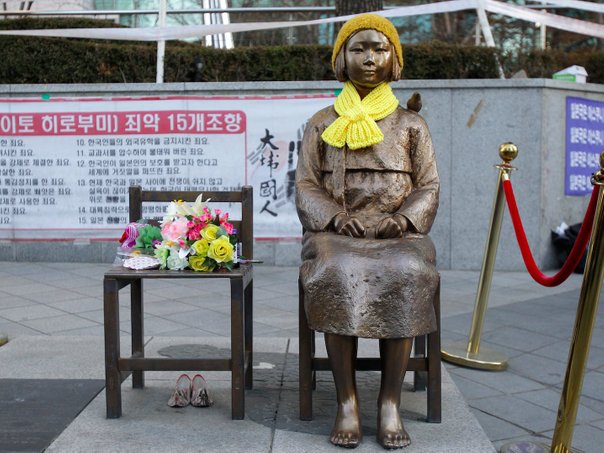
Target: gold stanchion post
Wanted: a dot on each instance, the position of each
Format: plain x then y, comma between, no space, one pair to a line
581,339
584,324
3,339
470,354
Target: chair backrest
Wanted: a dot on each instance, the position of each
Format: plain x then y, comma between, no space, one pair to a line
245,226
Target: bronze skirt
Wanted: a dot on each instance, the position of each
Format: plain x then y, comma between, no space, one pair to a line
370,288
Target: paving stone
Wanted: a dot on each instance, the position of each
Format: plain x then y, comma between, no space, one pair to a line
539,369
168,307
476,390
20,314
35,411
585,438
21,286
154,325
58,324
78,305
593,383
549,398
99,316
15,329
554,324
593,404
207,320
497,428
54,295
11,301
54,357
519,339
560,350
517,412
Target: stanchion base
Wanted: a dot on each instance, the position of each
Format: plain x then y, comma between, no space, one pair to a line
525,446
3,339
484,359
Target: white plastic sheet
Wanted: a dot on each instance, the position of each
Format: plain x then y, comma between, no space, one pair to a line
192,31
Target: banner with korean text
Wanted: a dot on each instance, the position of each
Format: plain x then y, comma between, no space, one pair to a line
66,164
584,143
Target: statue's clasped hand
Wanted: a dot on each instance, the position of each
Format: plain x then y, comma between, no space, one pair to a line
392,227
349,226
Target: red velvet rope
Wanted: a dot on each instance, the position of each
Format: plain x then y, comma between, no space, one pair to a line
578,248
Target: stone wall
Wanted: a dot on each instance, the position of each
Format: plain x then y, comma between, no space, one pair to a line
468,120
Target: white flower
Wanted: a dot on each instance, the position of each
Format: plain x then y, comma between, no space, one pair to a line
184,252
176,263
181,208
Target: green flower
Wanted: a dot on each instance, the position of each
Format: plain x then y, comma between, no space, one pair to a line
146,236
161,253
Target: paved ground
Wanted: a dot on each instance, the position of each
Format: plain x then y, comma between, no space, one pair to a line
47,308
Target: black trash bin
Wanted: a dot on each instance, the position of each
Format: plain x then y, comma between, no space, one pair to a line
563,242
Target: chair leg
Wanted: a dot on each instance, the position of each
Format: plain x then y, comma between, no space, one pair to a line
249,335
312,358
138,330
113,382
305,360
419,351
434,365
237,350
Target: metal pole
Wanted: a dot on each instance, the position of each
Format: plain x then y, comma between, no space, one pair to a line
161,44
470,355
584,324
579,348
543,34
486,32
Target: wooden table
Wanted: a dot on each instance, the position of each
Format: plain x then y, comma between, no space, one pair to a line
118,368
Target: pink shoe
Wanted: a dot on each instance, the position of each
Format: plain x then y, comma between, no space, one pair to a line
182,393
199,392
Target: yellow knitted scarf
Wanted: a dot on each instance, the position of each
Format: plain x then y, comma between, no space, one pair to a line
356,126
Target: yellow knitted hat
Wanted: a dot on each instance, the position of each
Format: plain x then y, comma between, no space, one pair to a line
368,22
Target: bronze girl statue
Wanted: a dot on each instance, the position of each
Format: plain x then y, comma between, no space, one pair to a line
367,194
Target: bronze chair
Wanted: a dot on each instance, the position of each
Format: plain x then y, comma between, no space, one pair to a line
118,368
425,363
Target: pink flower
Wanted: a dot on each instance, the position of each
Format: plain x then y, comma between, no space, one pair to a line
173,231
194,233
227,226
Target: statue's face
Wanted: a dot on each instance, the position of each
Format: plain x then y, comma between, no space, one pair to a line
368,57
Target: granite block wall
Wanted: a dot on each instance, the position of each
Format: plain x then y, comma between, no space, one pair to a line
468,120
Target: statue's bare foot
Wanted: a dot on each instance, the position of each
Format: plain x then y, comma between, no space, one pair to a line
346,430
391,433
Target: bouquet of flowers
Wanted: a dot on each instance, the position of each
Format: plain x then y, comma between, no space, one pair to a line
189,237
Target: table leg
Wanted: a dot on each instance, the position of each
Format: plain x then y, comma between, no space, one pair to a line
113,381
249,334
237,350
138,329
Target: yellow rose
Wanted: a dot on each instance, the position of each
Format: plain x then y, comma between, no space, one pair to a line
209,232
221,250
201,247
198,263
